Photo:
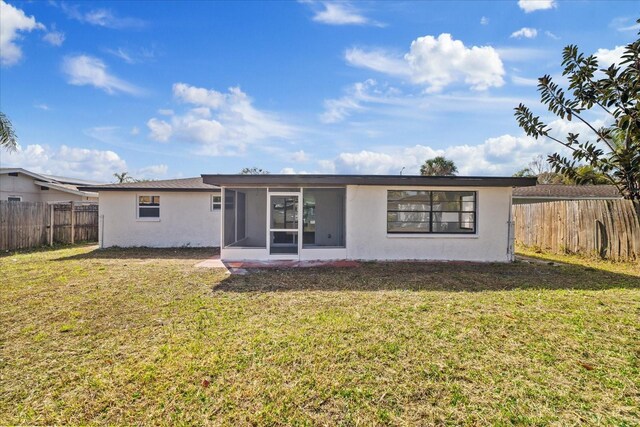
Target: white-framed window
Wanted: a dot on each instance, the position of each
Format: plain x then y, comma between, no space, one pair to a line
216,202
14,198
148,207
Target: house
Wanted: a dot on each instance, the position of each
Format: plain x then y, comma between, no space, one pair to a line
21,185
555,192
316,217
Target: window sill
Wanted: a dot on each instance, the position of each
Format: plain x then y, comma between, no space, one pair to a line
431,236
148,219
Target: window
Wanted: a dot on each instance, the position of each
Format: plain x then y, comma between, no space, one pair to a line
14,198
431,212
148,207
216,203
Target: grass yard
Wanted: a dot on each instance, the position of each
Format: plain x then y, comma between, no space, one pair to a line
143,337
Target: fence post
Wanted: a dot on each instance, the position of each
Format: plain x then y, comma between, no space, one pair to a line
73,224
51,225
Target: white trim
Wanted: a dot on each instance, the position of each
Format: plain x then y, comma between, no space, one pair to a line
148,219
211,202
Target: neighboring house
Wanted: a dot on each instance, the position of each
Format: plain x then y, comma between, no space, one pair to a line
316,217
166,213
17,184
555,192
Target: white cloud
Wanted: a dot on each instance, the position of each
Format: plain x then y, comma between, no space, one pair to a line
84,70
625,24
606,57
67,161
299,156
551,35
526,32
378,60
533,5
222,123
100,17
484,21
340,13
524,81
437,63
135,131
336,110
13,21
41,106
152,171
160,130
132,56
54,38
502,155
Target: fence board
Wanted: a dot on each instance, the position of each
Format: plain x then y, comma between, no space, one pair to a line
610,228
27,224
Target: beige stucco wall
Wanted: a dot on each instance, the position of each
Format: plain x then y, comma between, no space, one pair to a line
23,185
367,237
186,219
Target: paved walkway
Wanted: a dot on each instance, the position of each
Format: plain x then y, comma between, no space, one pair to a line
241,267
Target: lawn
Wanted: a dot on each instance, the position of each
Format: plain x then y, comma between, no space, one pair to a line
144,337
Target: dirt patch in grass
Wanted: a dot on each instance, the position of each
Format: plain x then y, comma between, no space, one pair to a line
137,337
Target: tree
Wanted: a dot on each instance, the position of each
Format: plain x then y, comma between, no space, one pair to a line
438,166
8,138
124,177
542,170
253,171
613,150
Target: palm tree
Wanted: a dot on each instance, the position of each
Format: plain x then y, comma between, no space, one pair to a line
8,138
438,166
123,177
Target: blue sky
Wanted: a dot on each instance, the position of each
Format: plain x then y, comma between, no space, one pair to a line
176,89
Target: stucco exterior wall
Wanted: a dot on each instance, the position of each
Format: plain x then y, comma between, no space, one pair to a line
367,237
186,219
23,186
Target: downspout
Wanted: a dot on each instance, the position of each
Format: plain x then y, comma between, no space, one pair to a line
510,231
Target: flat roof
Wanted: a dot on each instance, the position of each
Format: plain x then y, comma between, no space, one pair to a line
329,180
182,184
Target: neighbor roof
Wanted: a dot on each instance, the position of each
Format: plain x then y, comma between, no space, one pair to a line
560,191
64,184
183,184
328,180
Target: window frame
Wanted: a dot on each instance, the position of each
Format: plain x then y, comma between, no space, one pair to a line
430,212
14,197
216,205
138,207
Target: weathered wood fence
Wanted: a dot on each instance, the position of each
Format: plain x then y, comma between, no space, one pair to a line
607,228
31,224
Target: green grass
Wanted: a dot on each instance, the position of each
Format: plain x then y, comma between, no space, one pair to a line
143,337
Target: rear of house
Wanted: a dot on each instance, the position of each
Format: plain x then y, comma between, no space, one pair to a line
316,217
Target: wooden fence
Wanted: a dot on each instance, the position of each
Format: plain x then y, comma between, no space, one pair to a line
26,225
607,228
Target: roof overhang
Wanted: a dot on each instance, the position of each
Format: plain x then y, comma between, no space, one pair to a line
388,180
66,189
98,188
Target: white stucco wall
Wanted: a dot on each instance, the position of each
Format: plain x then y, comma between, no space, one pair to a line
367,237
186,219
